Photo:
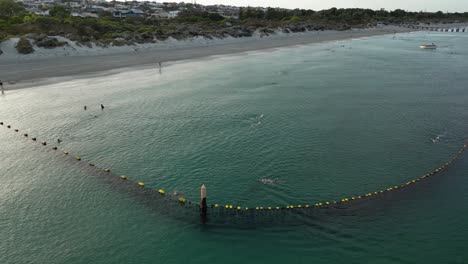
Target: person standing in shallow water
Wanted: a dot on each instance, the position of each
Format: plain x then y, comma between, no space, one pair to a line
102,107
1,85
85,108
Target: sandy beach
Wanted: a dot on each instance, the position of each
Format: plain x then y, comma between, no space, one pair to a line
19,71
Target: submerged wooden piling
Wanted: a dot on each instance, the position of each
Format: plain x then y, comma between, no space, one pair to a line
203,206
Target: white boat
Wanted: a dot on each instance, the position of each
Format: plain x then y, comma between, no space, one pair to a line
431,46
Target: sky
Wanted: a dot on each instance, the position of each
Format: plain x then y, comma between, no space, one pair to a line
409,5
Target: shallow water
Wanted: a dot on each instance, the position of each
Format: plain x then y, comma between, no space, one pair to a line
325,121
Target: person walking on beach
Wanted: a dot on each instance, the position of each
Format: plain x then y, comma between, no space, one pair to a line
1,85
102,107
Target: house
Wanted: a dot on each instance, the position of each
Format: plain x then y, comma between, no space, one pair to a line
162,14
95,9
173,14
228,11
38,12
136,12
128,13
84,14
74,5
98,1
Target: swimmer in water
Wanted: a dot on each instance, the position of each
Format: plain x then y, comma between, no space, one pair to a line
437,139
59,140
175,193
268,181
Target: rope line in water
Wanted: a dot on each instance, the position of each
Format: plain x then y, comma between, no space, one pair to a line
140,184
324,204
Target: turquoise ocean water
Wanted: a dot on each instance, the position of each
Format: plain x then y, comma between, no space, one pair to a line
325,121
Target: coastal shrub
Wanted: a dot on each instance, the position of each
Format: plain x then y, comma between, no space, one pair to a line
27,19
60,11
24,46
119,42
10,8
46,22
295,19
15,20
49,43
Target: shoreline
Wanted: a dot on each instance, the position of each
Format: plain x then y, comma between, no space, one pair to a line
23,71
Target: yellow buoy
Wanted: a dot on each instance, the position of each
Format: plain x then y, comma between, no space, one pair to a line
327,203
107,170
141,184
77,158
182,200
257,208
65,152
269,208
238,208
277,208
299,206
216,205
307,206
161,191
230,206
123,177
261,208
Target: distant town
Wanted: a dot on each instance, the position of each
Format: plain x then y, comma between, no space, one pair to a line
119,9
49,24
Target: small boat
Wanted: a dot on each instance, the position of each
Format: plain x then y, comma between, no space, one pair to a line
431,46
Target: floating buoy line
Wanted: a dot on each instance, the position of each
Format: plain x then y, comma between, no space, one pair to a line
291,207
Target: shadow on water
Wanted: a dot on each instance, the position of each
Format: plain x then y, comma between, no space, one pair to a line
232,217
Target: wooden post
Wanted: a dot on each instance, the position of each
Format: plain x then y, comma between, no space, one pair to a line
203,206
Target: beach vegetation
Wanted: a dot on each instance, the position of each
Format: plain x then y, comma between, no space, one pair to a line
9,8
192,21
60,11
24,46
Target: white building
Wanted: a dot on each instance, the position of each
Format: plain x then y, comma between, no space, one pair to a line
173,14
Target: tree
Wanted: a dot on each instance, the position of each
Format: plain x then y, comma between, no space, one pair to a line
59,11
10,8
